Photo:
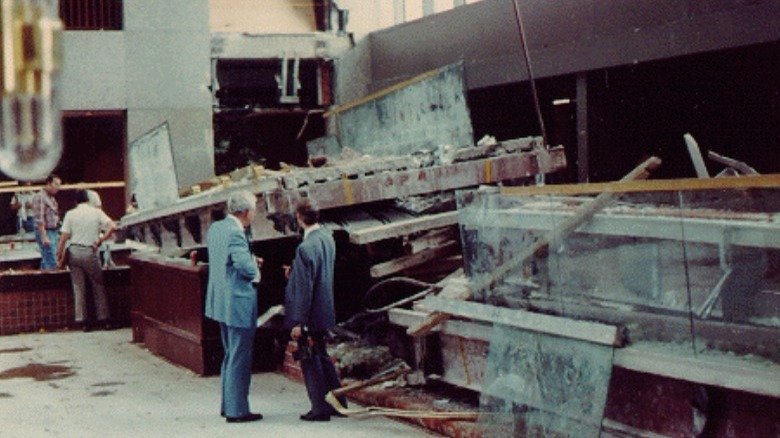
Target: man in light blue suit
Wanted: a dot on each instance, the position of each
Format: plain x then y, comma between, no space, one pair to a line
231,300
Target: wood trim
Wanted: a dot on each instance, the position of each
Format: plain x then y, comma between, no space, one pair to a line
85,185
402,263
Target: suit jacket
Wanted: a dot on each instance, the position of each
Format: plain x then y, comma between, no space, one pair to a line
231,298
309,293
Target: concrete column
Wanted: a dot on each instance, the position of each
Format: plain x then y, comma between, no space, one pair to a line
429,8
399,10
582,128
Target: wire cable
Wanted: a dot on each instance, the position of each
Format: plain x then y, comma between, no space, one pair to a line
527,57
396,280
687,274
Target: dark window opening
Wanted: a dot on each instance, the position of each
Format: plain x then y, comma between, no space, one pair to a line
728,100
268,138
94,151
91,14
244,84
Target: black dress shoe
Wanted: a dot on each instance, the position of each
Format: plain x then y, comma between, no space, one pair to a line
244,418
310,416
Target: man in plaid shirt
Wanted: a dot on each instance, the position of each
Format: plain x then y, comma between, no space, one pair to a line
47,221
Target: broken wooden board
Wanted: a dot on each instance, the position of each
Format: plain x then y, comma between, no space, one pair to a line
403,228
402,263
455,289
75,186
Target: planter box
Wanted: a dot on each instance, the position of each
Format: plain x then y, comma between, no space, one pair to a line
32,301
167,312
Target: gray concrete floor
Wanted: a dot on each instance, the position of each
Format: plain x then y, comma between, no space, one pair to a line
100,384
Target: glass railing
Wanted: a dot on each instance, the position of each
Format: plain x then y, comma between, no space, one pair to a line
682,261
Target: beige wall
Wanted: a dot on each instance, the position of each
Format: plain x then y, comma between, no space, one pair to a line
262,16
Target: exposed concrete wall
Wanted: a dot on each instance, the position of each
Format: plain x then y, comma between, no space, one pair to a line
275,46
366,16
262,16
353,74
93,74
566,36
168,73
421,116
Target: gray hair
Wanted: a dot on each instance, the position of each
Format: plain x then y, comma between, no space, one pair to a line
241,200
94,199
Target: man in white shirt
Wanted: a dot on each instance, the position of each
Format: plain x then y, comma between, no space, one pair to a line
82,228
104,251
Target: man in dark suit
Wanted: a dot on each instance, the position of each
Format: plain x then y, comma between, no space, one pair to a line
309,310
231,300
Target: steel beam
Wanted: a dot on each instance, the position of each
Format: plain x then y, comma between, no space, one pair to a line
183,225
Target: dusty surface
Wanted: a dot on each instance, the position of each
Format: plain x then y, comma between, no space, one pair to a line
100,384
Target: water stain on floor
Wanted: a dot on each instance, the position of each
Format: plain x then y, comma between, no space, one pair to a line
15,350
5,395
39,372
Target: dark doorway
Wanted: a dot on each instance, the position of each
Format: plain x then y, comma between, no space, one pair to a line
94,151
267,137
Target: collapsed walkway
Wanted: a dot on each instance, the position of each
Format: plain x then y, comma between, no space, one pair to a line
99,383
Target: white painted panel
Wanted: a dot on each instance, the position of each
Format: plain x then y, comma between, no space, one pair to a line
192,139
152,175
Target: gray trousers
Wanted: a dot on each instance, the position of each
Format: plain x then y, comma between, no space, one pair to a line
85,265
